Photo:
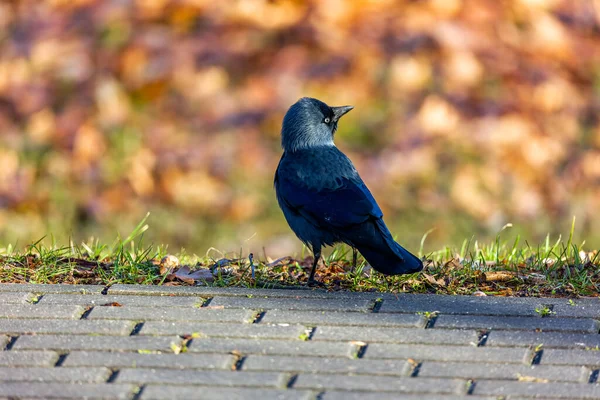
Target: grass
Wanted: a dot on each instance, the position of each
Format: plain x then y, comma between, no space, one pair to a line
553,268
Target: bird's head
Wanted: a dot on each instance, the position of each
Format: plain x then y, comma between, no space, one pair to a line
310,123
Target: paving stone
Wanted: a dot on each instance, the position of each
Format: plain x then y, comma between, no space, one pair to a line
448,353
107,343
123,300
172,314
298,293
339,318
273,347
77,327
344,395
380,383
538,390
41,374
301,304
207,378
41,311
517,323
262,331
15,297
466,305
396,335
135,360
51,390
548,339
172,392
273,352
581,308
51,288
571,357
475,371
15,358
326,365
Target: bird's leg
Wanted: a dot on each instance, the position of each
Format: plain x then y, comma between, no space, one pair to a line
354,258
311,278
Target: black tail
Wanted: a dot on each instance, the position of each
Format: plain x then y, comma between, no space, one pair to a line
374,241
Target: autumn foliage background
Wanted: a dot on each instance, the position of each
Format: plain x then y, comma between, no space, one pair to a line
469,114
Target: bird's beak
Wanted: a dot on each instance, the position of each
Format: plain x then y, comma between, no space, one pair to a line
338,112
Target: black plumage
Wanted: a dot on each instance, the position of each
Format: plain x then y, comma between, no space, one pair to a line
323,198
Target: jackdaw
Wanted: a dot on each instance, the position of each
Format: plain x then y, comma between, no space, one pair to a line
323,198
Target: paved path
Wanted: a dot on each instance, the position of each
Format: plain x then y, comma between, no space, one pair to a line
144,342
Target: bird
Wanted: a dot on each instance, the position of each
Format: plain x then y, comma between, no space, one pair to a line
322,196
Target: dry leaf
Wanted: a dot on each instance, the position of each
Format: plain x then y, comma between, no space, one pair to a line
184,274
113,304
168,263
433,281
499,276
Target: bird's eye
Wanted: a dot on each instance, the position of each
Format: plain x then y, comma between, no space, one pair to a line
327,120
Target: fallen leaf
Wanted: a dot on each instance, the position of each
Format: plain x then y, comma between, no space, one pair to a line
499,276
433,281
186,275
168,263
113,304
536,278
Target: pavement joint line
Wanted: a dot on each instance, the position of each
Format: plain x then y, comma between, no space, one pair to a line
310,332
113,375
238,362
257,316
534,355
87,312
206,301
137,392
291,380
430,318
594,376
377,303
482,337
470,387
358,349
11,342
61,359
137,328
414,369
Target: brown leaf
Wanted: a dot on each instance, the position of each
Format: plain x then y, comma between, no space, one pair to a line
113,304
499,276
168,263
433,281
452,265
184,274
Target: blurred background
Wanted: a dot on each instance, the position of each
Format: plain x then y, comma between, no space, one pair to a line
470,114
